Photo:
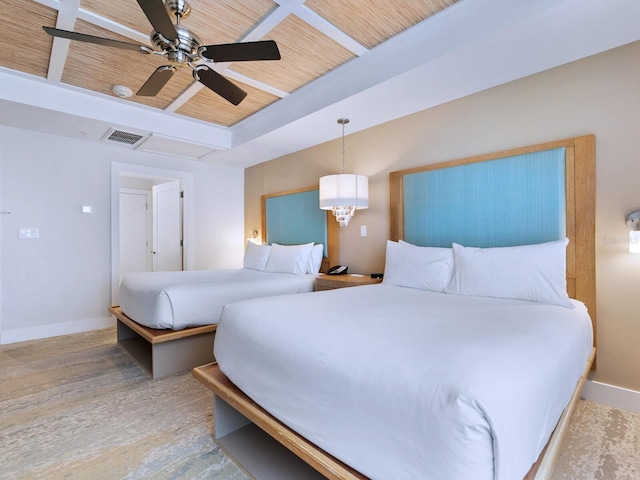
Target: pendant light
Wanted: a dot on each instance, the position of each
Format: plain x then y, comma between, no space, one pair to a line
344,193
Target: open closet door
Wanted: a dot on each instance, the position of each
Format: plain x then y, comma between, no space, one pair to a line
167,227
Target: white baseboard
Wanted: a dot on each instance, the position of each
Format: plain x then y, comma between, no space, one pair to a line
54,330
617,397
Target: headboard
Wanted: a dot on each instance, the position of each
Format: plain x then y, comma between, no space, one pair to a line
294,217
529,184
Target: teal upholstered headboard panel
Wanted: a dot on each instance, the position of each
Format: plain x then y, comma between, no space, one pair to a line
515,200
295,218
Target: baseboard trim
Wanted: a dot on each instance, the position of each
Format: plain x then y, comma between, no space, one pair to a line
55,329
618,397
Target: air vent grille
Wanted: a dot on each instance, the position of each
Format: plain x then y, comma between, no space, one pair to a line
123,137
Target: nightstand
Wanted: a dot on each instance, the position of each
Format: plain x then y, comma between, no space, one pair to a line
329,282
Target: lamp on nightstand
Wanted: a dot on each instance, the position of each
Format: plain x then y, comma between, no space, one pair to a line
633,222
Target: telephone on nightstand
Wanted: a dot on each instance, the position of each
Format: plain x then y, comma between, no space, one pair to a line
337,270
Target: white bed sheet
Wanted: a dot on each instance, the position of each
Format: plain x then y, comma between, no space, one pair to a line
403,383
177,300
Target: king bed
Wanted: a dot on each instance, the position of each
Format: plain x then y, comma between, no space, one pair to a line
465,363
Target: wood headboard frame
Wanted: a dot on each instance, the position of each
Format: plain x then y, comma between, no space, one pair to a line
580,216
333,239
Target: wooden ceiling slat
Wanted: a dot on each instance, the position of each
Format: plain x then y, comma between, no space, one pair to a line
209,107
306,55
124,12
32,54
371,22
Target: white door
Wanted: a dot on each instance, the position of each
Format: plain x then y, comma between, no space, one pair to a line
167,227
135,231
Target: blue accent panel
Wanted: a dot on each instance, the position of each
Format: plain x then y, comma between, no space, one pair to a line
509,201
296,218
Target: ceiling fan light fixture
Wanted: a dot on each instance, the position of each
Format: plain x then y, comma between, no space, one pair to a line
122,91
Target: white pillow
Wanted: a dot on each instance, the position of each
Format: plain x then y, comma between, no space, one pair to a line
407,265
529,272
315,259
256,256
289,258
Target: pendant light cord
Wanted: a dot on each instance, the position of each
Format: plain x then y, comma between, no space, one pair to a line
343,122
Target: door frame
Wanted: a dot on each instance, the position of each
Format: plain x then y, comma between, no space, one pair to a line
118,169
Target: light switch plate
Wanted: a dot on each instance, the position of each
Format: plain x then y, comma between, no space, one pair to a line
24,232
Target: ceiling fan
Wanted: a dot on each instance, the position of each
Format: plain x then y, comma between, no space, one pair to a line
180,46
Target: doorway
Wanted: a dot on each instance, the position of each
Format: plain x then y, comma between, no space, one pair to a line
150,221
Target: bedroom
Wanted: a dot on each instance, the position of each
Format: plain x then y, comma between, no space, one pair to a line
69,274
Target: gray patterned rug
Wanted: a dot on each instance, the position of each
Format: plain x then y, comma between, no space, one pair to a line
76,407
603,443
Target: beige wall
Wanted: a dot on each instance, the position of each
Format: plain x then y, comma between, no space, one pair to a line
599,95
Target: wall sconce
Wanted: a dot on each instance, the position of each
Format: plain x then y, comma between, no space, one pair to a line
343,194
633,222
253,237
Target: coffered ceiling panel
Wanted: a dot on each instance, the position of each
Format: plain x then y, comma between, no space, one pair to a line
306,55
372,22
207,106
31,56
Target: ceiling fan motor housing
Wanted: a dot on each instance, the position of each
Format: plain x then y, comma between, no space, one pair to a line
185,50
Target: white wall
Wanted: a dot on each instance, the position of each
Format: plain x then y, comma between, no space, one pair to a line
61,282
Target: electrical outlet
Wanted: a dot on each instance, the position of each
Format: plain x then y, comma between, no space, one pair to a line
363,230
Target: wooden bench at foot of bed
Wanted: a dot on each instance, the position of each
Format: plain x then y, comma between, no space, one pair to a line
164,352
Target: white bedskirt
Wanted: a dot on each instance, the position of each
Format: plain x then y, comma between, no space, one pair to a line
401,383
177,300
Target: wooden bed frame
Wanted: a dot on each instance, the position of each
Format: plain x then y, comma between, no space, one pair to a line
234,411
165,352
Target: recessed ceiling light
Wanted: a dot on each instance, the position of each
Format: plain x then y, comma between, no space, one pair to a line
122,91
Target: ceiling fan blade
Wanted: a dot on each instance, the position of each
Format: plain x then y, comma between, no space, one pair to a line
219,84
156,81
242,52
55,32
159,18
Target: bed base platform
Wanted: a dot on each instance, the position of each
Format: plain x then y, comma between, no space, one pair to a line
164,352
240,424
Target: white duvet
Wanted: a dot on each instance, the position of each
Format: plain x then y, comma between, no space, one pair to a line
401,383
178,300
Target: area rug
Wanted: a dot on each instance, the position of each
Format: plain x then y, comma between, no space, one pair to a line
603,443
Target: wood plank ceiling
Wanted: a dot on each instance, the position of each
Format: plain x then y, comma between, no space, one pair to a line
314,37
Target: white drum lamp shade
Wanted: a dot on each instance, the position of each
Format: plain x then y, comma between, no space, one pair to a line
344,194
